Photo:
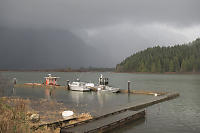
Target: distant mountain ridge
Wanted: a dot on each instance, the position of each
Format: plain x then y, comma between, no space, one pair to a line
178,58
27,49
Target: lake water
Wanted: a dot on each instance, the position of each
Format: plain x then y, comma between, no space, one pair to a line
178,115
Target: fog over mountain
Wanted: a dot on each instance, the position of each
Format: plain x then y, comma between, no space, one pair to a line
44,48
73,33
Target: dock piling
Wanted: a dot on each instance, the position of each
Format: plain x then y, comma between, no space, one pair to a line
129,87
67,84
14,81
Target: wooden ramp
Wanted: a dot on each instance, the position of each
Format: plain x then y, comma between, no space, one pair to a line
105,123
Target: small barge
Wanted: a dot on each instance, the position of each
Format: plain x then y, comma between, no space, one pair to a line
48,82
51,80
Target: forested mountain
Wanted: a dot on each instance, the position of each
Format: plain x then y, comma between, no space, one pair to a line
178,58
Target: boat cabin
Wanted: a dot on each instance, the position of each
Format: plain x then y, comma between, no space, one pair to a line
51,80
103,81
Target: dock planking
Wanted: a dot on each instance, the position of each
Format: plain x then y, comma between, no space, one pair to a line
105,123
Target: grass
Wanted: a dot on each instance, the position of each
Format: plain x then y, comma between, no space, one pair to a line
15,112
13,116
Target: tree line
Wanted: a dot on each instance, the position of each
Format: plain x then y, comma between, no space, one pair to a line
178,58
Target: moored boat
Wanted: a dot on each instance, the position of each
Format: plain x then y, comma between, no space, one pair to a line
103,85
89,85
107,88
78,86
51,80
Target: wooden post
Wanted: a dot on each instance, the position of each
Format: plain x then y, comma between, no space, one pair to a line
15,81
67,84
129,86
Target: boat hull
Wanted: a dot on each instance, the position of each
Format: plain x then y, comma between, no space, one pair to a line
79,88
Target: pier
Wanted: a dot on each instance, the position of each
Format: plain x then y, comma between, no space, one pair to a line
105,123
126,113
119,116
37,85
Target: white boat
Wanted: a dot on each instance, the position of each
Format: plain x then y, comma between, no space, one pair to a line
112,89
78,86
107,88
89,85
103,85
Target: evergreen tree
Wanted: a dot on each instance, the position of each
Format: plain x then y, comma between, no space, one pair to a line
178,58
153,67
171,66
158,66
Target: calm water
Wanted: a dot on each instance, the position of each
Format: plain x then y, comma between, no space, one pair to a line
178,115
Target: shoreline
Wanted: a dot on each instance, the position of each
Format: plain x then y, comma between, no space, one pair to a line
98,71
160,73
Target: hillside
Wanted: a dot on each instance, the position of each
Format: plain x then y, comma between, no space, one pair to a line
178,58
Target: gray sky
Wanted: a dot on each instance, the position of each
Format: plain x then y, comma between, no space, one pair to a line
101,33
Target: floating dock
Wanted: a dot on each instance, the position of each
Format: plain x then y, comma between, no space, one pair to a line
38,85
119,116
143,92
105,123
146,103
115,112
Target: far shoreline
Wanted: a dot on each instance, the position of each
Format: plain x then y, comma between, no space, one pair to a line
160,72
53,70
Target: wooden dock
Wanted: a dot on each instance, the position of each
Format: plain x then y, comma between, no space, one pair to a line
115,112
106,123
36,85
143,92
118,112
155,100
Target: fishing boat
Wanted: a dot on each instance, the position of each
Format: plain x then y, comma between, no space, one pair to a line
112,89
107,88
103,85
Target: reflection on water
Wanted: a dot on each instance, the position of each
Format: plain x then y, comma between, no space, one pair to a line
100,98
13,91
6,86
94,102
77,97
50,94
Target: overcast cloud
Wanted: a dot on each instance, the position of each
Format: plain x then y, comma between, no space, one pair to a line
104,32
